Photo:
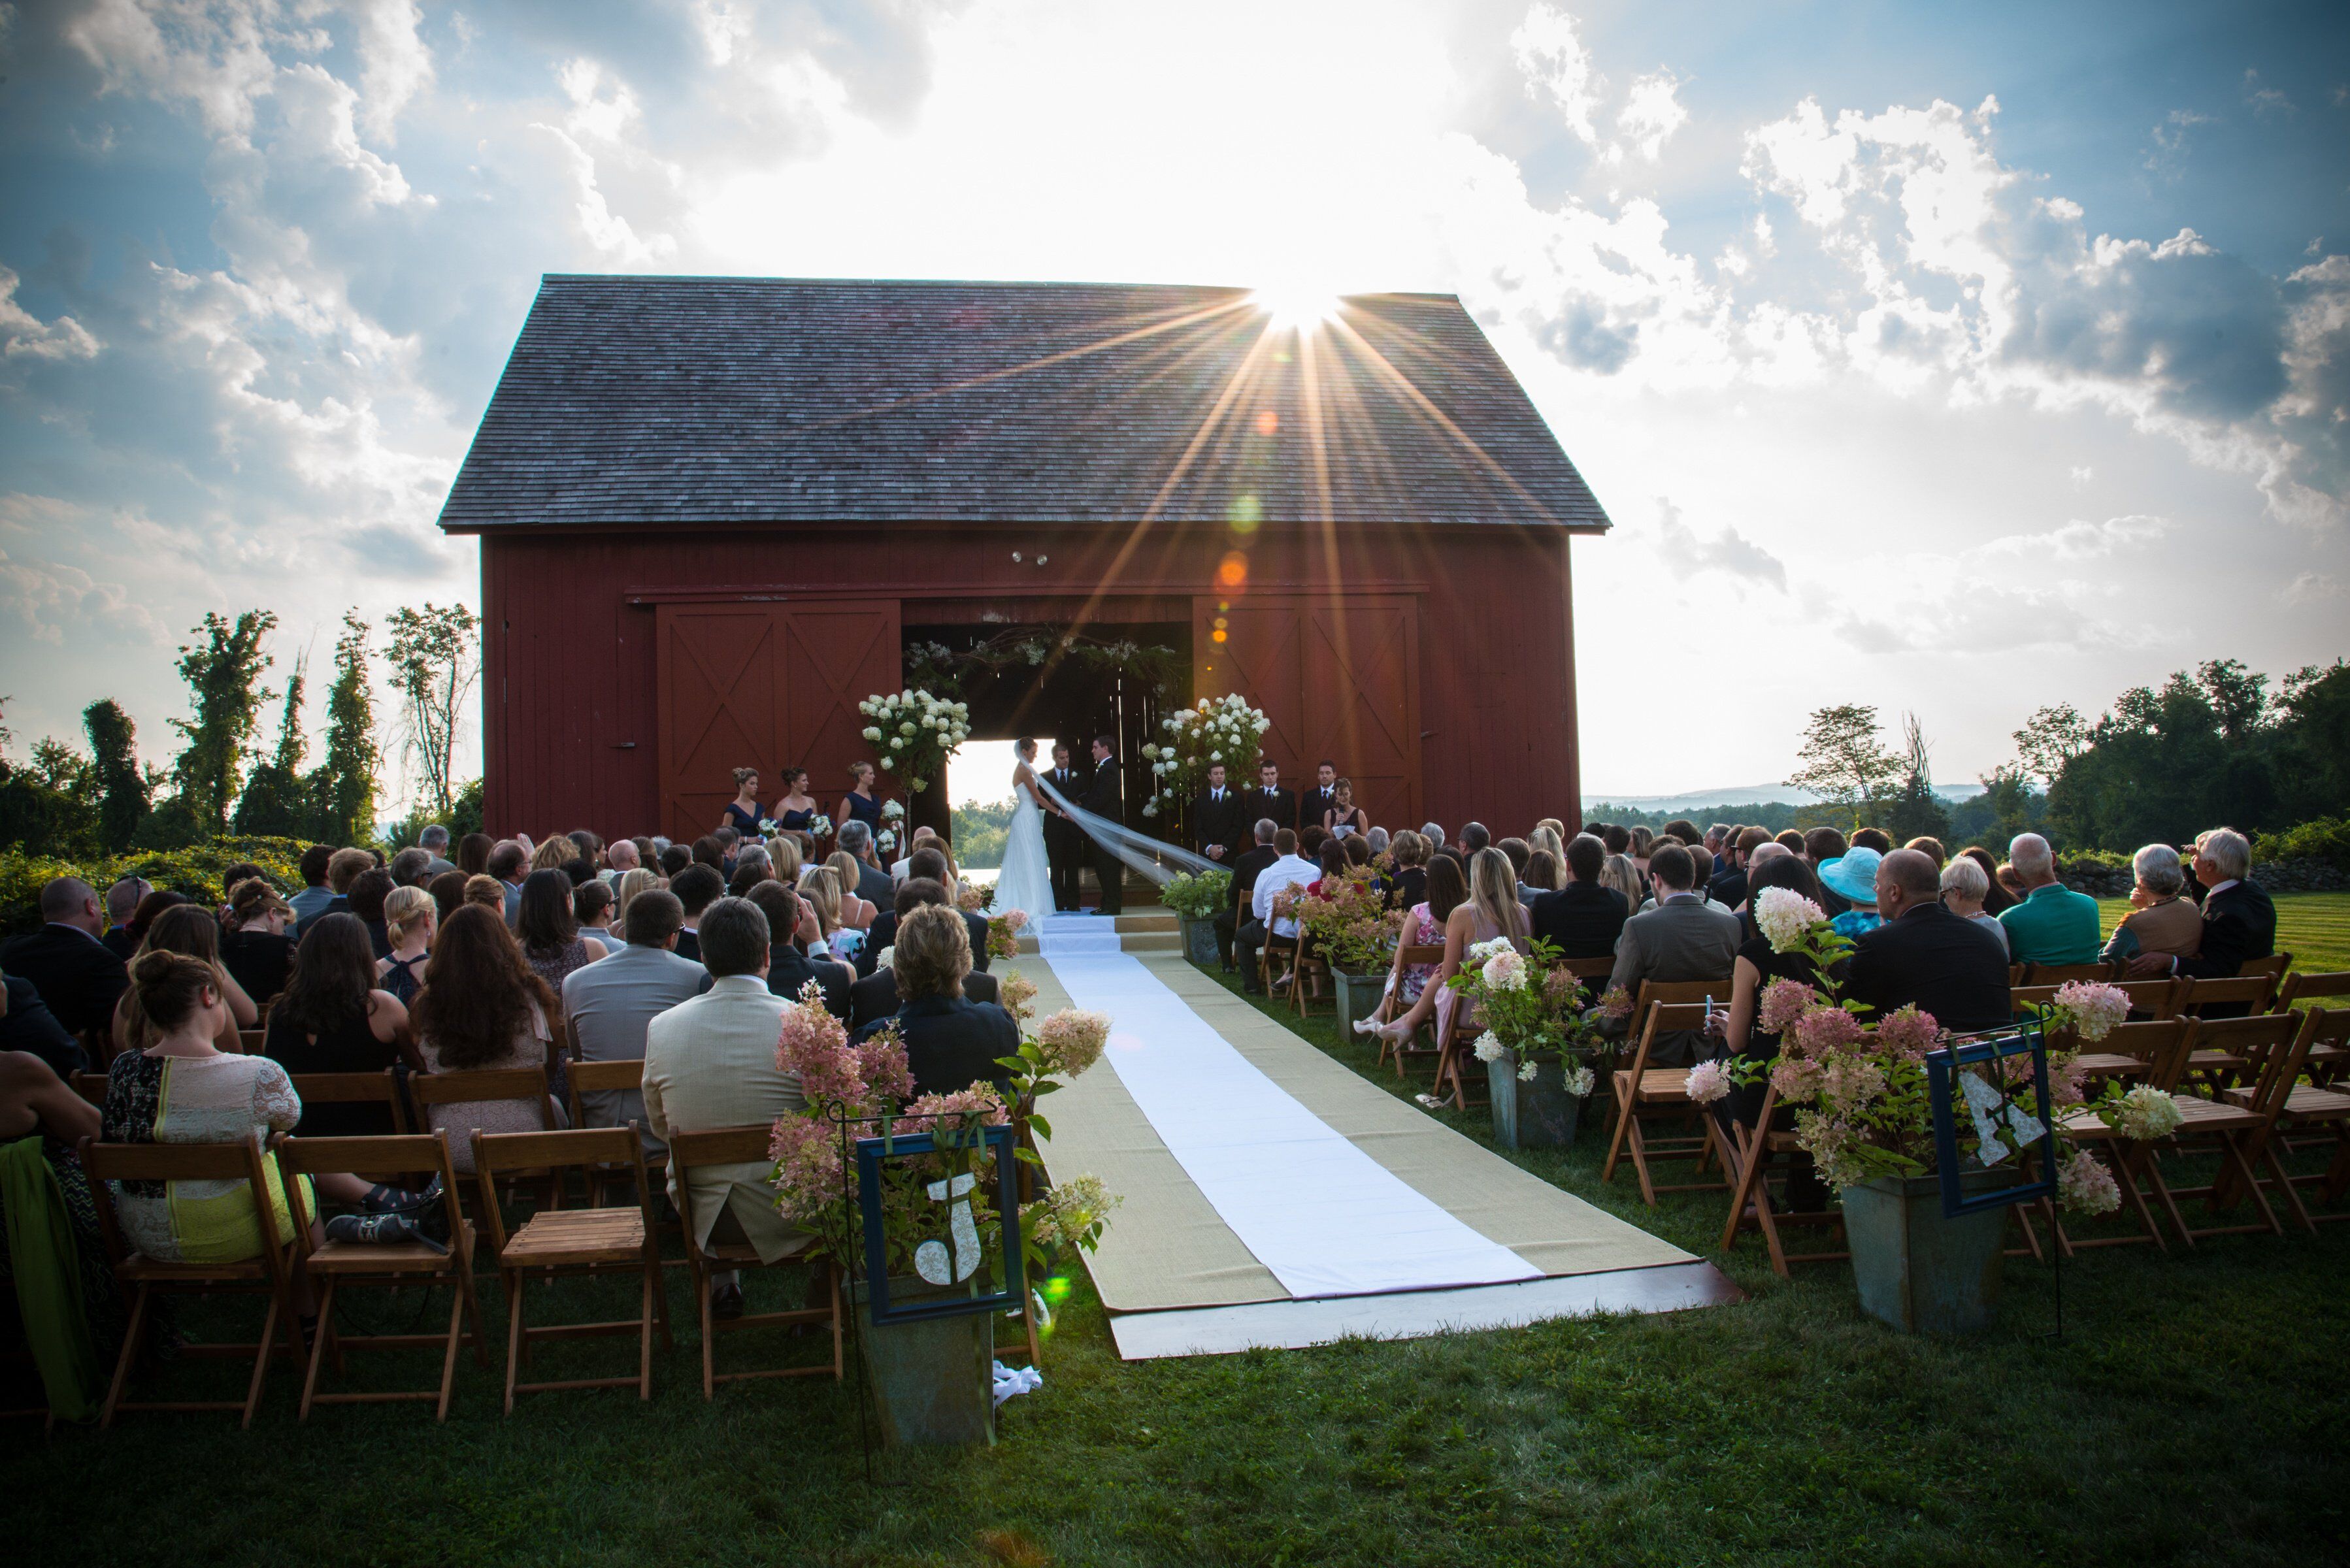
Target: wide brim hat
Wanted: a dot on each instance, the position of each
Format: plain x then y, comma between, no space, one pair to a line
1852,874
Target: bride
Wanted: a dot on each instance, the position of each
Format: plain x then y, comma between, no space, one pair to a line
1025,883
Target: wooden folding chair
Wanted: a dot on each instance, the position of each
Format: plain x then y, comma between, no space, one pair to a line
2148,1050
1588,970
601,1078
1456,1048
2152,999
2015,974
575,1242
2247,991
2215,1067
1284,948
392,1264
1748,1153
739,1146
1651,994
267,1275
430,1089
2327,1060
2215,1125
90,1087
2065,973
2273,969
354,1089
2288,1103
253,1042
1641,1090
1310,965
1393,1005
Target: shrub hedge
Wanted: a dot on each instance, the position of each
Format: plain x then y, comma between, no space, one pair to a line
2327,838
194,871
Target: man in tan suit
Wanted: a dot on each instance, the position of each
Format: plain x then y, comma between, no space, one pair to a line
711,1064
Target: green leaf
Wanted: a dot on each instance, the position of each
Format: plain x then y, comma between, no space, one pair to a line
1045,1085
1040,1126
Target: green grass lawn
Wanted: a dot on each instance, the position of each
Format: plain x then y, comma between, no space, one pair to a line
2192,1413
2314,928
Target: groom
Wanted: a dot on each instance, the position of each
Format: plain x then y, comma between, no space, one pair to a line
1106,796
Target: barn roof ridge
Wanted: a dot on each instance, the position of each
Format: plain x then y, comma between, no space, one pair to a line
643,400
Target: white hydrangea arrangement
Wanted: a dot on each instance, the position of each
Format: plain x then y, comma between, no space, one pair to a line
1214,730
914,732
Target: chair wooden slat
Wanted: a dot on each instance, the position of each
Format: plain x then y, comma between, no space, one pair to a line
1643,1094
354,1088
735,1145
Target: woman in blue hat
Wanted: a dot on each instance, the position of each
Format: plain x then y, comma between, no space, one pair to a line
1853,876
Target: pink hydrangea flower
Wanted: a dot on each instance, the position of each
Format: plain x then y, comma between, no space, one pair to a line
1784,1002
1708,1081
2085,1186
1072,1039
1909,1034
1823,1029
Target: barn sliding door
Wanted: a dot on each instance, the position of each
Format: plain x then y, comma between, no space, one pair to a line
1338,678
764,686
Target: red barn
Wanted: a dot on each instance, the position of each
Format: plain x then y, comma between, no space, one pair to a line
713,511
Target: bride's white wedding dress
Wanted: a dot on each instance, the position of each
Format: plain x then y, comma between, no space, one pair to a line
1025,883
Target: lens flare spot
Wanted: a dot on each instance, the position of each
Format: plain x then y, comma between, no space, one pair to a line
1232,572
1220,637
1267,422
1245,514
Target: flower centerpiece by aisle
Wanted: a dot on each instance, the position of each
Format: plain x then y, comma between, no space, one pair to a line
1192,740
914,732
1538,1040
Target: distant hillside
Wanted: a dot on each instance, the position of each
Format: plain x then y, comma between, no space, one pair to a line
1741,794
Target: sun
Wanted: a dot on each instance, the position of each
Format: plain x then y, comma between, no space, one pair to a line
1295,308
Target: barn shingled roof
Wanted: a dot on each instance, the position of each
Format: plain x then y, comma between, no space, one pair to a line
644,401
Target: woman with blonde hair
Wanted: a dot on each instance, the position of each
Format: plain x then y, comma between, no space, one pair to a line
819,889
1547,835
487,892
1621,874
855,912
783,854
630,884
1492,913
410,918
554,855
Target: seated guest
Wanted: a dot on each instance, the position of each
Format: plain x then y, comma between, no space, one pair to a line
1626,879
857,912
674,858
448,890
1757,965
710,850
1408,886
28,1028
1245,868
697,887
2238,919
2052,924
819,893
609,1003
1930,847
548,932
1822,844
142,919
1963,885
624,893
369,889
482,1008
621,858
1584,918
344,867
1474,837
1379,841
1996,897
875,995
554,855
1330,866
1684,938
952,1042
2161,920
1434,834
709,1062
789,969
1424,927
873,883
1542,876
1287,876
434,842
37,1102
508,863
487,892
189,929
410,918
1491,913
315,895
594,907
411,868
474,854
1520,854
751,867
1875,838
1356,849
1728,887
1615,838
122,901
336,1018
1852,877
254,946
1791,841
929,861
1927,954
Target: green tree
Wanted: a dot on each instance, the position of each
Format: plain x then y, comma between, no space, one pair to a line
2049,738
123,791
224,676
275,801
344,786
435,656
1843,761
1917,811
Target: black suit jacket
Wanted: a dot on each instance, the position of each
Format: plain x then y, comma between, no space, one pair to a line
2239,925
79,979
1583,917
876,996
884,933
952,1042
1727,888
789,969
1408,888
31,1026
1106,791
1279,805
1069,782
1313,804
1947,964
1246,871
1223,822
689,945
874,886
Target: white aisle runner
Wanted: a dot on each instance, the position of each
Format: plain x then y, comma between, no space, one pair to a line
1324,1217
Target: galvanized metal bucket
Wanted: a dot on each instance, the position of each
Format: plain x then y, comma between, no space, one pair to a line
1200,943
1917,1271
1536,1113
933,1378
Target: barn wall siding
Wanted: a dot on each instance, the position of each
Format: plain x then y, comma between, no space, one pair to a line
570,696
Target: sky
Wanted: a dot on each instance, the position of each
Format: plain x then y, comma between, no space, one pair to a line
1954,360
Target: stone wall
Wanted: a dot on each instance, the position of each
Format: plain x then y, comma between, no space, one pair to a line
2275,875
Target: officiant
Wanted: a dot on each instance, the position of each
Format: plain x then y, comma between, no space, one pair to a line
1066,843
1105,796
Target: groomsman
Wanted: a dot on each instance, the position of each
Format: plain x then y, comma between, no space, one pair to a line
1219,821
1106,796
1064,841
1269,799
1322,798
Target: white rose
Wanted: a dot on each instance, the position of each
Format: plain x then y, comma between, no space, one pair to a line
897,743
907,728
872,731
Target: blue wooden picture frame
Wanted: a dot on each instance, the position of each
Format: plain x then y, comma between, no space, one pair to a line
871,1153
1941,1079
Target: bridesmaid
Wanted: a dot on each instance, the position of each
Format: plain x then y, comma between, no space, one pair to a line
744,813
797,808
1344,816
860,805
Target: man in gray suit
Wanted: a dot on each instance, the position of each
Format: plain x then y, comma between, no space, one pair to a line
611,1002
1683,938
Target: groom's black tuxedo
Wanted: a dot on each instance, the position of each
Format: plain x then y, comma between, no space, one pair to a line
1064,841
1106,796
1222,822
1279,805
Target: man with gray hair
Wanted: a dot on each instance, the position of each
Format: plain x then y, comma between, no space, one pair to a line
874,885
710,1064
1434,835
2052,924
620,859
79,979
2239,919
434,842
122,901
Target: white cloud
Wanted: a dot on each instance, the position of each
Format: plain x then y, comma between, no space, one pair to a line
395,65
1726,550
1557,67
2266,100
24,334
2076,540
2313,587
1651,115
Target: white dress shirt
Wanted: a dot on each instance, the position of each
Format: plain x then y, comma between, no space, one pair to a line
1289,871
